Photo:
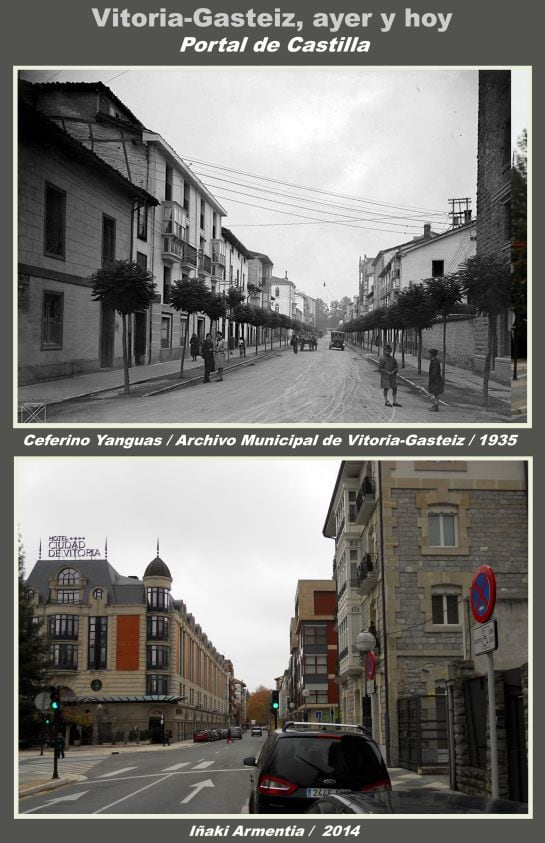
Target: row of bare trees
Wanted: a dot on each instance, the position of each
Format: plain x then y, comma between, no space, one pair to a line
127,288
484,280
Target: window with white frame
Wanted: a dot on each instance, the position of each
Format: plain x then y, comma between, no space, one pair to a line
445,603
315,664
443,526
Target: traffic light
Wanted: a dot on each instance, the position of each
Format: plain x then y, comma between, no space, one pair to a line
55,700
274,701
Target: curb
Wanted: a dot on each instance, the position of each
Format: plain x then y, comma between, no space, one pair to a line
53,784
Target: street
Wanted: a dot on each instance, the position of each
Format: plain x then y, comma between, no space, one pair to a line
311,387
203,778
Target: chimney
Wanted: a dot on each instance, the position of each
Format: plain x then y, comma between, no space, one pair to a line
427,231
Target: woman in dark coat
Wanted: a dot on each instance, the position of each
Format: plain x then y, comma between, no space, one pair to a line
435,383
387,367
208,356
194,346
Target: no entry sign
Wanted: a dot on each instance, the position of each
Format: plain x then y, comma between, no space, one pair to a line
483,594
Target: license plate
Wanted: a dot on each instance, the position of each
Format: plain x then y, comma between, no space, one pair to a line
316,792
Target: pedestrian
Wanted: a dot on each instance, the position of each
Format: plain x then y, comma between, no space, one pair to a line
241,347
60,745
220,348
387,366
229,736
168,735
295,343
207,352
435,383
194,346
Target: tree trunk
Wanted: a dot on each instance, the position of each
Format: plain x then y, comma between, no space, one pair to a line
419,349
125,352
403,348
182,357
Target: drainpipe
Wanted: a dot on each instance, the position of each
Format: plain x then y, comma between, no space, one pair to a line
384,630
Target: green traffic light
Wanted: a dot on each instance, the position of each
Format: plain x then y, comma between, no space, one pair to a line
54,705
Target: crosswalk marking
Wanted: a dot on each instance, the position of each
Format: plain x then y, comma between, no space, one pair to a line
176,767
203,765
116,772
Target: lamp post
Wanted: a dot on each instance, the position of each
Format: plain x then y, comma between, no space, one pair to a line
305,693
365,643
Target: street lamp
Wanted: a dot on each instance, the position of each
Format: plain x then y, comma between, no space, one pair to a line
365,643
305,693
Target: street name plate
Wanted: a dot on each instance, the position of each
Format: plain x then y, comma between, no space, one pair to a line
485,638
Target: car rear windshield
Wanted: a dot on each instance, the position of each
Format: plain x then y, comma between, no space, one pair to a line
308,760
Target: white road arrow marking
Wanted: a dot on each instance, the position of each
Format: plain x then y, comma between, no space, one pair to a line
198,787
203,765
69,798
116,772
175,767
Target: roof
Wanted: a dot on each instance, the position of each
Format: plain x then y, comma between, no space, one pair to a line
97,87
157,568
260,256
35,126
98,573
234,241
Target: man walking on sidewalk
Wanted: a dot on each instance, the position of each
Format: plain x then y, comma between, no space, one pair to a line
435,383
387,366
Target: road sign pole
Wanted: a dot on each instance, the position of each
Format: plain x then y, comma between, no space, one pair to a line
492,722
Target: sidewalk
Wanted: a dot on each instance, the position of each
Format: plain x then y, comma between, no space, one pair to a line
462,387
67,389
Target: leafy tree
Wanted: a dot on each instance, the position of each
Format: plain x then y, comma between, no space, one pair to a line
259,704
416,311
214,307
487,281
188,296
126,288
322,315
445,294
258,320
33,659
519,189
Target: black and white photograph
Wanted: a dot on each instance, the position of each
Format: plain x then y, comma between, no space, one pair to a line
326,245
326,652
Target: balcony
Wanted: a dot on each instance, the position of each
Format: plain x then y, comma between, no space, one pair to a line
367,573
204,264
218,271
218,252
189,256
365,500
175,219
172,251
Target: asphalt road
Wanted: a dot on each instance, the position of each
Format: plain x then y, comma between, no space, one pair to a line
207,778
311,387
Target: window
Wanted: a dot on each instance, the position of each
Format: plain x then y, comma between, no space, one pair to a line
64,656
156,685
67,595
315,664
98,635
98,594
442,528
215,225
158,628
30,594
63,626
68,576
319,697
141,260
52,318
168,183
277,292
158,657
437,268
166,331
202,213
444,608
55,222
352,507
187,195
158,598
315,635
108,240
142,222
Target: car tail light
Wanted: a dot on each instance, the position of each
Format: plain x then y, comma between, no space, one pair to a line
273,786
384,784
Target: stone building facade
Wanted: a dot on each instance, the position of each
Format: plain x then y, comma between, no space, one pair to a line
409,536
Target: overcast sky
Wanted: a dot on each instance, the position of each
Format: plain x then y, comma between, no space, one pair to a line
236,534
403,140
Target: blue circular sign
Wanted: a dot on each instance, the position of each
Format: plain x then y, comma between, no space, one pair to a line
483,594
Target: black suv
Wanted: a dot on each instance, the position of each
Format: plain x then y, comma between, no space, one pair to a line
304,761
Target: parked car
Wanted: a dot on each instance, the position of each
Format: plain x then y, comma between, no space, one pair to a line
256,730
416,801
302,762
336,340
214,735
236,732
201,736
